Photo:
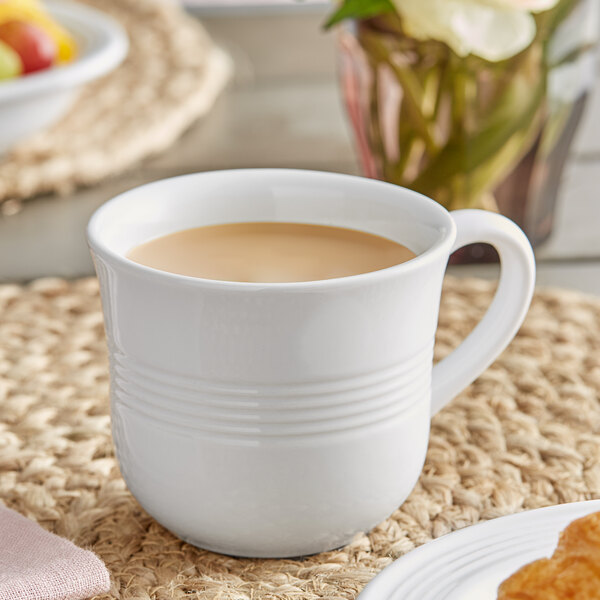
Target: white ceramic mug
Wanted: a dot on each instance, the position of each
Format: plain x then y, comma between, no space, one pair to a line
280,419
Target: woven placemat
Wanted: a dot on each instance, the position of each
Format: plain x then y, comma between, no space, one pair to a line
526,434
171,76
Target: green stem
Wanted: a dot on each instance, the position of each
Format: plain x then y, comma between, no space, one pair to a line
459,98
572,56
445,73
490,174
375,120
548,21
411,88
405,152
488,139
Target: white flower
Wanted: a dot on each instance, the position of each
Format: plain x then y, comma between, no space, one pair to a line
530,5
492,29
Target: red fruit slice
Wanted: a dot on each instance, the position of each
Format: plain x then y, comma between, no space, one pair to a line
35,47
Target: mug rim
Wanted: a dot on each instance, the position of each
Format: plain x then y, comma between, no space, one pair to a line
442,245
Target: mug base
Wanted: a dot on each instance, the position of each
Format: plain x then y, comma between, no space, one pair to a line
227,551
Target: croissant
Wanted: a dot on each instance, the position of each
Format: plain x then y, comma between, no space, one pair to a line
573,571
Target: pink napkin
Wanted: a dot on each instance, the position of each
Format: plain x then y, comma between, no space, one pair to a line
38,565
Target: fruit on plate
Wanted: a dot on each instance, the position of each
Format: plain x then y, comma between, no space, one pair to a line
38,41
35,47
10,62
32,11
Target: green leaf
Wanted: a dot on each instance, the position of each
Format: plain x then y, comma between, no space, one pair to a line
359,9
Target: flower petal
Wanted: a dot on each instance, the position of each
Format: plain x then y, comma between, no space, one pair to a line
469,26
524,5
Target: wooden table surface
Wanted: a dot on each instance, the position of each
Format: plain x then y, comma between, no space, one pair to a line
283,110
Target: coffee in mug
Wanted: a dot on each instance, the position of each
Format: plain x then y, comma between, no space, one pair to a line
270,252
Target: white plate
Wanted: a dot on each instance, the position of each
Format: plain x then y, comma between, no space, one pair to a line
35,101
471,563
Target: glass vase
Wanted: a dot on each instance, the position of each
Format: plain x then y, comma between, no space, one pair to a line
464,131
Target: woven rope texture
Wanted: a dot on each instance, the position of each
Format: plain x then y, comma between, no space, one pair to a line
526,434
172,76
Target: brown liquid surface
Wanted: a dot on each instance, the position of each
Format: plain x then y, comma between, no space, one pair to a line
270,252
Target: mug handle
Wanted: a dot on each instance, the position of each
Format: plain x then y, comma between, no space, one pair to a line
506,312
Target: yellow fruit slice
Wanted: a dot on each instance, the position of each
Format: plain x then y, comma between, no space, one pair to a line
33,11
10,63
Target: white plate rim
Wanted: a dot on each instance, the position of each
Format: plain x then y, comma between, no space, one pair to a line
106,45
386,584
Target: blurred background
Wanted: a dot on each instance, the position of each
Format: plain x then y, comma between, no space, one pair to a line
275,92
